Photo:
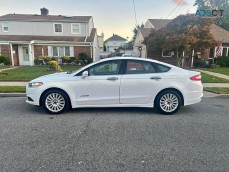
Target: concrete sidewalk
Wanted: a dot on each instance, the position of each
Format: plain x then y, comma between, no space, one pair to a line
214,74
1,70
13,83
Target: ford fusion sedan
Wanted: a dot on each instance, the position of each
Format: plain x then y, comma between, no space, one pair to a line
117,82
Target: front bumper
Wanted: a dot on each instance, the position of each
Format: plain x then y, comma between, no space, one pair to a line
33,95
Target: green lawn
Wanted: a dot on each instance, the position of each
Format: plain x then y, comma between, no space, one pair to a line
12,89
222,70
30,72
212,79
217,90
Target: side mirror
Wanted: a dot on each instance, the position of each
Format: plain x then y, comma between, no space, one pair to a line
85,74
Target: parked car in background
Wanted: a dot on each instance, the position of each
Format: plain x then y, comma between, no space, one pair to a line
118,82
130,55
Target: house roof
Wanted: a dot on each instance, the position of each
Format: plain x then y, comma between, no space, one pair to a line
219,34
145,31
159,23
12,38
115,38
35,17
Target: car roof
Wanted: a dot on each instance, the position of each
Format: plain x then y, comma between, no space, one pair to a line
134,58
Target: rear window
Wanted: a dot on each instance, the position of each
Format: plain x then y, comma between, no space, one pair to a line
161,68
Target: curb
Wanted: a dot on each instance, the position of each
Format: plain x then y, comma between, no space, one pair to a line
12,94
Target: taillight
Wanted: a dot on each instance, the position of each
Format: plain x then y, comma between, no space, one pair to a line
196,78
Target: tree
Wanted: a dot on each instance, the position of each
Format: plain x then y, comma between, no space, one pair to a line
184,33
135,31
222,21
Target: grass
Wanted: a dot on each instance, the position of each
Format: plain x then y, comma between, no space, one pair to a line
30,72
217,90
12,89
212,79
222,70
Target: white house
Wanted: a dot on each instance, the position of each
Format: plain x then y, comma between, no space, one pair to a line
25,37
114,42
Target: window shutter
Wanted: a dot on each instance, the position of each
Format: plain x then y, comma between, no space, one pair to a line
72,51
49,51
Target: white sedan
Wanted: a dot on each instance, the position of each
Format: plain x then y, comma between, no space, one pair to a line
117,82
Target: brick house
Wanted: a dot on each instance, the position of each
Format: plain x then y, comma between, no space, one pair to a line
25,37
218,33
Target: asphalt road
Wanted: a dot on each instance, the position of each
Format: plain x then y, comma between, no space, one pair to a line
116,139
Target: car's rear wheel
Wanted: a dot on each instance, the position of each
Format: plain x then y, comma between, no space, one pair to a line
55,102
168,102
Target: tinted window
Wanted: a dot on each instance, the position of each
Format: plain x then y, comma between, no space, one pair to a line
139,67
161,68
106,68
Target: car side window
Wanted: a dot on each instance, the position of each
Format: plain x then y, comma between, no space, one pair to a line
161,68
139,67
106,68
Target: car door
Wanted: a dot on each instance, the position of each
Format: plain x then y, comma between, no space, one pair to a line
102,85
140,82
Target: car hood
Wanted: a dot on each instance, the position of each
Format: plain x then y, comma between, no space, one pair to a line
62,76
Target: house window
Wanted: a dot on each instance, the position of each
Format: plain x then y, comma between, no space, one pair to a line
5,27
211,53
167,53
58,28
225,52
75,28
67,51
60,51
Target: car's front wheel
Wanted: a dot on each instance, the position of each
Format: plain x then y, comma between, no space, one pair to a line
55,101
168,102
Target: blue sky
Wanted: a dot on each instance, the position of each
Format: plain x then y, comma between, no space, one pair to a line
110,16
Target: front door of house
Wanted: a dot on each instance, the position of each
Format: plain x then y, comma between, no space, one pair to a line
25,58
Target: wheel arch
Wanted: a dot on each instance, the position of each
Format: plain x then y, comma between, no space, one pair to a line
173,89
54,88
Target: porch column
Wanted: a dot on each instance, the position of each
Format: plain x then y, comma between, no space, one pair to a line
31,59
12,54
193,53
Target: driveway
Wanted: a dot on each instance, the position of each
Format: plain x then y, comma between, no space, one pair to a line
115,139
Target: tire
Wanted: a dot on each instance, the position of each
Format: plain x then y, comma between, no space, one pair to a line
55,102
168,102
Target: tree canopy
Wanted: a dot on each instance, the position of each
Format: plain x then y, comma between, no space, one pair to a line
186,32
222,21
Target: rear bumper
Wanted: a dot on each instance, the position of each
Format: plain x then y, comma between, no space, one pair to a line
193,97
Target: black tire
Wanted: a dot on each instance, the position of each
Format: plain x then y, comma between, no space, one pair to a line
61,102
171,106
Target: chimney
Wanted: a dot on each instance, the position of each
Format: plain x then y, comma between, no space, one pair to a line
44,11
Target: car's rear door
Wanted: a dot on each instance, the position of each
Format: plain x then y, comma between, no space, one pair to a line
140,82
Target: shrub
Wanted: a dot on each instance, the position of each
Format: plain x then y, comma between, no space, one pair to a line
54,58
65,59
84,58
200,63
71,59
54,66
46,59
5,60
223,61
36,61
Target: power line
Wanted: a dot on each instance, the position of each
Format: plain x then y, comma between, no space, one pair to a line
174,9
136,23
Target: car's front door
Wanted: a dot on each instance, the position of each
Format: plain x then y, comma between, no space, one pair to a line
139,83
102,85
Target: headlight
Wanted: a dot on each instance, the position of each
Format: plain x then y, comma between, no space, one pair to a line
35,84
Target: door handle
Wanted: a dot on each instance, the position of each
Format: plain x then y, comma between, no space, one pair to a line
112,79
156,78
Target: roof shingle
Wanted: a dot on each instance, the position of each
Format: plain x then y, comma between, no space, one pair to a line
116,38
159,23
